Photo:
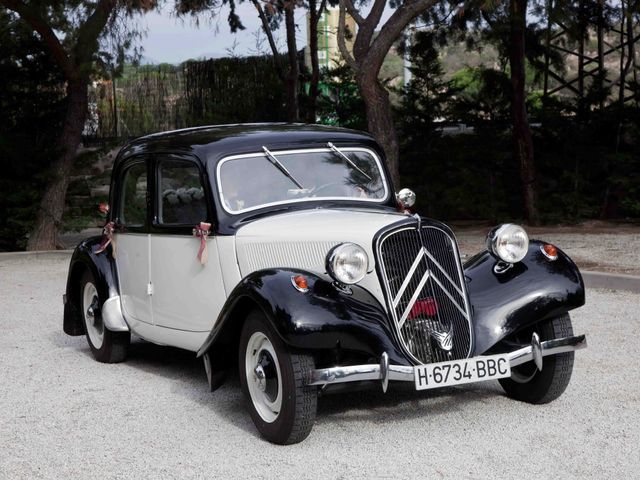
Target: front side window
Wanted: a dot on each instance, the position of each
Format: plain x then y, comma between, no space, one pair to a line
258,180
133,202
182,200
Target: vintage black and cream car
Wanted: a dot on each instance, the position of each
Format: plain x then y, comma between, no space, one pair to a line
284,251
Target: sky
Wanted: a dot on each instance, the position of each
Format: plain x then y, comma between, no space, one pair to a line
174,40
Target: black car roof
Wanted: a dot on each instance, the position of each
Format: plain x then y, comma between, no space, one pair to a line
218,141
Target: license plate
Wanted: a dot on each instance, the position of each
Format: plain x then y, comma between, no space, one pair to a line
458,372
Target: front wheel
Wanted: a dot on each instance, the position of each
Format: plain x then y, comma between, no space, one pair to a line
282,407
530,385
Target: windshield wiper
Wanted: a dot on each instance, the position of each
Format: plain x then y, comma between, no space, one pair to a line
281,167
339,152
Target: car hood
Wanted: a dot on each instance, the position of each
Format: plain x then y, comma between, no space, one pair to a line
302,240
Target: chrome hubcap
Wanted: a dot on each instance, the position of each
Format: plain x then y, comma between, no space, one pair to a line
260,379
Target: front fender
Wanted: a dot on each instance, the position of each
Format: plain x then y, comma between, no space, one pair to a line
532,290
102,267
323,318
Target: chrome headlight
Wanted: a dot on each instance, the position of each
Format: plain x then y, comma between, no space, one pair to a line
508,242
347,263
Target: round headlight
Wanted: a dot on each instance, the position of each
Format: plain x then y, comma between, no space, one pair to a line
508,242
347,263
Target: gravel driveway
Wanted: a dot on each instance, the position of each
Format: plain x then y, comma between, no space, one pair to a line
63,415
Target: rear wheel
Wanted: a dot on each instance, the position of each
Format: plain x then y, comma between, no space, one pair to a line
282,407
106,346
527,383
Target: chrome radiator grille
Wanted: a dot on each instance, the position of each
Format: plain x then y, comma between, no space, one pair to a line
426,292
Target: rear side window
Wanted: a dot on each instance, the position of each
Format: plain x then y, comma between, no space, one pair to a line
182,200
133,203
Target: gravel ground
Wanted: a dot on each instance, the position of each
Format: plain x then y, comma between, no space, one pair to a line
63,415
604,250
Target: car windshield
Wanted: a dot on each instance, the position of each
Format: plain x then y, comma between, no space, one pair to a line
253,181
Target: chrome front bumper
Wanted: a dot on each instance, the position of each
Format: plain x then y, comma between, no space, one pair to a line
385,372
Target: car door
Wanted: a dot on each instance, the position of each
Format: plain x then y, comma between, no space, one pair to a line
132,240
187,295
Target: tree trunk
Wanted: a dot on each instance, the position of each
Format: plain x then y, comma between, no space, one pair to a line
313,53
292,55
44,235
380,122
523,142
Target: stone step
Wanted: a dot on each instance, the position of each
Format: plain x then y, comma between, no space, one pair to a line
101,191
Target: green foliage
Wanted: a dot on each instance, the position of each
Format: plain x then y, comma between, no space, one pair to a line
585,170
425,100
340,102
590,169
484,94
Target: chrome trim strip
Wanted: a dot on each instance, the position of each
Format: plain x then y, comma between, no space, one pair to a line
112,316
414,297
444,272
435,279
408,278
220,193
385,372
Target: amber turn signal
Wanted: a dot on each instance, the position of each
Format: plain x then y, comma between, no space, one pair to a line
550,251
300,283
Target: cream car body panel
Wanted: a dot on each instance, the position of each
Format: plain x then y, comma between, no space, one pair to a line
134,268
302,240
226,251
186,294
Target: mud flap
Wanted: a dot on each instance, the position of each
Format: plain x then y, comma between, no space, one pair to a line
215,379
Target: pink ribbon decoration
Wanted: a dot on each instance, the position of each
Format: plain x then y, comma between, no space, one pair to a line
108,238
202,231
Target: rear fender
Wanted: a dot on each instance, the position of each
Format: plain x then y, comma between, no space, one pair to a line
103,268
534,289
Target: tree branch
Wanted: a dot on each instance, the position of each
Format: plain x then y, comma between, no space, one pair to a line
49,38
342,45
87,41
353,11
392,29
316,18
368,28
272,44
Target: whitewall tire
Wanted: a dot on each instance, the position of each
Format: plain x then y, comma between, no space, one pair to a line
281,405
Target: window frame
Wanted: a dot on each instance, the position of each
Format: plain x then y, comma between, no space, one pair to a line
124,169
177,228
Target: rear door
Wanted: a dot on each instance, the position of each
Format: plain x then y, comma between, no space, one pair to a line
132,240
186,294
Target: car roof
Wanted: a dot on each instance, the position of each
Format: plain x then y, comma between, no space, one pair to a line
208,145
218,141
